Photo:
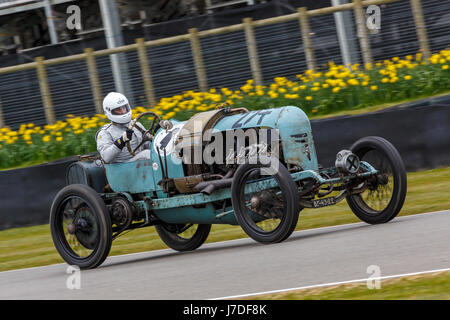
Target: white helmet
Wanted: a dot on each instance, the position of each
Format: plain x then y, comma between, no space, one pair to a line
111,103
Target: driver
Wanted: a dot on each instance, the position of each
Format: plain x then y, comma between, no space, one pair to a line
112,138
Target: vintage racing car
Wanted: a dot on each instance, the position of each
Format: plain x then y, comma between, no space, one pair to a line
258,183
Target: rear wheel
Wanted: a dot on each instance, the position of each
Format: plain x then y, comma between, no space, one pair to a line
385,193
183,237
267,215
80,226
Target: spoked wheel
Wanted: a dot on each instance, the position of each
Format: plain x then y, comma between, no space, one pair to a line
80,226
267,215
385,193
183,237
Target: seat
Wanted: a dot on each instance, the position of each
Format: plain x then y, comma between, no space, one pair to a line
195,127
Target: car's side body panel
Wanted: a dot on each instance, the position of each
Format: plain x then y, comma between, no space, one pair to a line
293,127
143,175
131,177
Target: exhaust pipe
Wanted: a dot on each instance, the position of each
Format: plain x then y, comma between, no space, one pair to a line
208,187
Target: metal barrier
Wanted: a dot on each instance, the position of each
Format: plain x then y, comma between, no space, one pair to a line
46,90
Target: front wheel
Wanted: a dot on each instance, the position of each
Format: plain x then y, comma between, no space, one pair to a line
384,193
183,237
267,211
80,226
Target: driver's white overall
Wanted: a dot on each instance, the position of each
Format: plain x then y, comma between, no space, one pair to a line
110,153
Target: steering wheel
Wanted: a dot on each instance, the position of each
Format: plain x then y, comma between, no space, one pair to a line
150,131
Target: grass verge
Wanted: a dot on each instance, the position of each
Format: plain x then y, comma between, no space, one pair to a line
433,286
32,246
379,107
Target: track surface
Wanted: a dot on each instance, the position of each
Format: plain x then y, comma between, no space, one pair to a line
340,253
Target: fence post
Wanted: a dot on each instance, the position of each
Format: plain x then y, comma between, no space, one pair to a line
421,30
198,60
146,72
2,122
252,51
362,31
93,77
45,90
307,44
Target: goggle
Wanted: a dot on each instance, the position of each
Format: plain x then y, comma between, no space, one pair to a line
121,110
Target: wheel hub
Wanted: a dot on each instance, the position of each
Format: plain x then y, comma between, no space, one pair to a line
265,203
382,179
255,202
79,225
71,228
84,227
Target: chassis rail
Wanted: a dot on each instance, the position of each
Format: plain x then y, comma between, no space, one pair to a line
221,194
149,205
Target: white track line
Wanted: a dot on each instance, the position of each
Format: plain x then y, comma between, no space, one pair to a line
228,241
330,284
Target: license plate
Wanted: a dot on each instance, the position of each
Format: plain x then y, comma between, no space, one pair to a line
324,202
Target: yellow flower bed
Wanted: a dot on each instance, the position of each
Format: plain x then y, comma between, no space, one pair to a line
334,88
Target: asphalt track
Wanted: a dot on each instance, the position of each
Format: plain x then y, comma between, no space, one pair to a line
340,253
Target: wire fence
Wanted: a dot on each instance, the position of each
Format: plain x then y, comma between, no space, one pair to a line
226,60
397,36
224,57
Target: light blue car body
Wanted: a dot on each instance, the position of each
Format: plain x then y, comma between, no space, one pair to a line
142,176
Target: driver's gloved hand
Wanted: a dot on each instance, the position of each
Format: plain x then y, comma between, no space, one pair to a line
148,137
126,136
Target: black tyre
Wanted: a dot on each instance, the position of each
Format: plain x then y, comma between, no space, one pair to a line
269,215
80,226
183,237
386,192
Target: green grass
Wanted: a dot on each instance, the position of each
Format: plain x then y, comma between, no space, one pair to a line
26,165
434,286
357,111
33,246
